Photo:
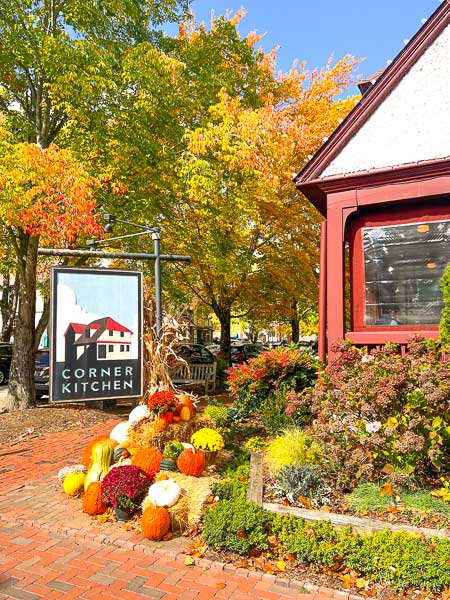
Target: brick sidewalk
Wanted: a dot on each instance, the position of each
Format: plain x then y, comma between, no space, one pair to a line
50,549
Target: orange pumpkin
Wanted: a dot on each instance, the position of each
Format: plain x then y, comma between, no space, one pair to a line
191,462
148,460
161,476
92,499
155,522
176,419
87,452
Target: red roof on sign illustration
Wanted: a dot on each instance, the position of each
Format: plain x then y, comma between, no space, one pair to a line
90,332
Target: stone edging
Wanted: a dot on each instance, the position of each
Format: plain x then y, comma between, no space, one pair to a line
359,524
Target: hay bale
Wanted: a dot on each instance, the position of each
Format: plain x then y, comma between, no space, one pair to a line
142,434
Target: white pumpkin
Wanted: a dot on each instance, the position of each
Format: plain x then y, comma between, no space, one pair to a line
138,413
164,493
120,432
188,446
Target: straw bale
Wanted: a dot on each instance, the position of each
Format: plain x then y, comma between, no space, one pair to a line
142,435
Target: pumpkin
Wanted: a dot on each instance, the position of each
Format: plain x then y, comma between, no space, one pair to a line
155,522
87,452
167,465
73,483
185,413
164,493
191,462
159,425
102,456
92,499
176,419
138,413
148,460
120,432
161,476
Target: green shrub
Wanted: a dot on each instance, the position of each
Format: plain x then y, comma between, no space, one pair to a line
293,481
294,446
255,381
237,526
384,413
444,326
367,498
234,485
398,558
217,414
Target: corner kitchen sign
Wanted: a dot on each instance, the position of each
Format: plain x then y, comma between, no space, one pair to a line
96,334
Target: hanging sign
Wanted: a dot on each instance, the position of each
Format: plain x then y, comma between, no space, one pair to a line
96,334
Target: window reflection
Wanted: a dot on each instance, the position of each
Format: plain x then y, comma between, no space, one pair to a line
403,265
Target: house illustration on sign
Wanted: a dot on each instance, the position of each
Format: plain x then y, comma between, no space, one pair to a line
102,339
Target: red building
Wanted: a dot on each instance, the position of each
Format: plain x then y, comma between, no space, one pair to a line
382,182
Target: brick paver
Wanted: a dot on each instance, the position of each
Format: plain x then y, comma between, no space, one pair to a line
49,549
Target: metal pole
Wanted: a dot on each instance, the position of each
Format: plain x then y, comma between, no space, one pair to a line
156,237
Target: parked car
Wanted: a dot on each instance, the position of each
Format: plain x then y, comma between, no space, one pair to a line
42,373
214,348
195,354
5,361
242,352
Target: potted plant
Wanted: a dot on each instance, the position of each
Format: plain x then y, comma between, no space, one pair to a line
209,441
124,488
162,404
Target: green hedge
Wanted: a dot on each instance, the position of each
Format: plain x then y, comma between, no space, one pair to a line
397,558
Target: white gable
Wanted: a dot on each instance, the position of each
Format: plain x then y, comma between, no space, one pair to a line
412,124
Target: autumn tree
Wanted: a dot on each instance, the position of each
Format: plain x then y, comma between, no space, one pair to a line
45,197
238,212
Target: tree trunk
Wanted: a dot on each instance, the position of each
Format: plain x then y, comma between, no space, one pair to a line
295,323
224,316
21,392
8,306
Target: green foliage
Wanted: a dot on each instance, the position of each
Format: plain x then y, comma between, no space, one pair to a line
398,558
234,485
293,481
255,382
294,446
273,412
237,526
385,414
367,498
217,414
444,325
256,444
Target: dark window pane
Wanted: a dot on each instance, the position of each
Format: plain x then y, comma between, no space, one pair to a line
101,351
403,265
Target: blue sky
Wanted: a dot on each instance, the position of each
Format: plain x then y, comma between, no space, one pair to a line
312,30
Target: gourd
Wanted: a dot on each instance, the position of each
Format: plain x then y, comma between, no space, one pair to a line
164,493
120,452
173,449
92,499
185,400
191,462
62,473
73,483
148,460
120,432
87,452
102,455
138,413
167,465
161,476
155,522
185,414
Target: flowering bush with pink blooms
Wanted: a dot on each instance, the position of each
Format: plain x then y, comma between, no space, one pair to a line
385,415
280,369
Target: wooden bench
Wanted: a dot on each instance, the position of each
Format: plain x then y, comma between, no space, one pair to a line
192,375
